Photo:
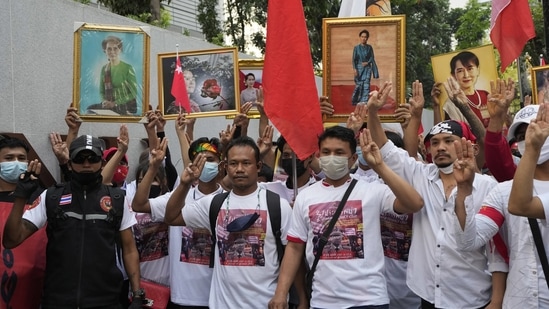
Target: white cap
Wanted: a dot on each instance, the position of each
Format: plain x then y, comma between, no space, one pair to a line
525,115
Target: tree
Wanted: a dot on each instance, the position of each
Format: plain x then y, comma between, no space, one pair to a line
207,18
427,33
145,10
473,24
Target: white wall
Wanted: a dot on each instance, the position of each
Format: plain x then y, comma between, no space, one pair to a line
36,71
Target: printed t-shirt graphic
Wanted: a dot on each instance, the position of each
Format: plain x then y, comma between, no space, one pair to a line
245,248
347,237
195,246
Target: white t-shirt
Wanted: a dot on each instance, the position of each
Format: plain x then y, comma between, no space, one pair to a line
350,270
246,263
191,275
37,214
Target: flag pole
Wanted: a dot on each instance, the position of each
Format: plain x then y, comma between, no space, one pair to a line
177,57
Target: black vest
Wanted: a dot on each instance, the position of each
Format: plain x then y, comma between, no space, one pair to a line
83,233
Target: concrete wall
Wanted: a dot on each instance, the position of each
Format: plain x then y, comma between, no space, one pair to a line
36,68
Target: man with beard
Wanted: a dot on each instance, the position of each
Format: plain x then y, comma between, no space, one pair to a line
435,265
85,224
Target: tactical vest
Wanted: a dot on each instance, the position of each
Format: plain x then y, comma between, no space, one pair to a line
83,235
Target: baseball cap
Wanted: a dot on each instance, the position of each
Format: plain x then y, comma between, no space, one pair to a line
107,154
453,127
525,115
86,142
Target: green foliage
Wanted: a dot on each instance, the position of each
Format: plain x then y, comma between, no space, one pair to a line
83,1
148,11
207,18
536,46
473,24
427,33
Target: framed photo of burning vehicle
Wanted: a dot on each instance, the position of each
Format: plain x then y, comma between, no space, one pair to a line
111,72
210,79
359,55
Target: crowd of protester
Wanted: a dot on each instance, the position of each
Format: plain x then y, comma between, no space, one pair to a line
422,219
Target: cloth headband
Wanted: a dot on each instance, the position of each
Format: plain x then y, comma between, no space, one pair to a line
205,147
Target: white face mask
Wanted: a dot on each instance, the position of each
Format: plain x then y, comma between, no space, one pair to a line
335,167
544,152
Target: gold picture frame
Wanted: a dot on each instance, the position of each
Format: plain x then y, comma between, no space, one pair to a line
245,67
340,37
540,84
115,89
206,68
486,71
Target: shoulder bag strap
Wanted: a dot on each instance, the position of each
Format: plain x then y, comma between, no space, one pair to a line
324,239
540,248
215,206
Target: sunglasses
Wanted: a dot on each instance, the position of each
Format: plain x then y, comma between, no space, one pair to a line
80,158
242,223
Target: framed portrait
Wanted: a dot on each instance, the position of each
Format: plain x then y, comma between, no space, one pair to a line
540,84
211,81
250,78
473,69
359,55
111,72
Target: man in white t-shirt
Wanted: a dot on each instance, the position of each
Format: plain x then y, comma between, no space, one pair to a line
246,260
189,249
513,256
84,227
344,278
436,267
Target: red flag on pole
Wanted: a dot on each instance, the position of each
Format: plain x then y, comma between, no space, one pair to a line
511,27
179,89
291,98
541,60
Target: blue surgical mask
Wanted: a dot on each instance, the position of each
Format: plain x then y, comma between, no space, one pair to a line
10,171
360,157
209,171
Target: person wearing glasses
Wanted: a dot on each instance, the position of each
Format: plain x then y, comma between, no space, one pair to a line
118,83
86,222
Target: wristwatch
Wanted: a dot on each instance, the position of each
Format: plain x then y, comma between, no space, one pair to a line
139,293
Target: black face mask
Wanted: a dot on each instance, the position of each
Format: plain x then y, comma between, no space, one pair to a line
87,179
299,167
242,223
155,191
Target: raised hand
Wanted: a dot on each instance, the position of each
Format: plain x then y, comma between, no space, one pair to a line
356,119
326,108
498,101
403,113
72,119
123,138
454,91
417,101
192,172
152,121
265,142
161,121
538,129
59,148
465,164
158,154
245,108
225,136
435,94
370,150
379,98
28,181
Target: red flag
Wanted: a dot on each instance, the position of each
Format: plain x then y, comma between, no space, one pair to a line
291,98
511,27
179,89
541,60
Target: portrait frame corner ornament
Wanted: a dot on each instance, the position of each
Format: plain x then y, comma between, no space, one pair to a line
388,53
119,91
